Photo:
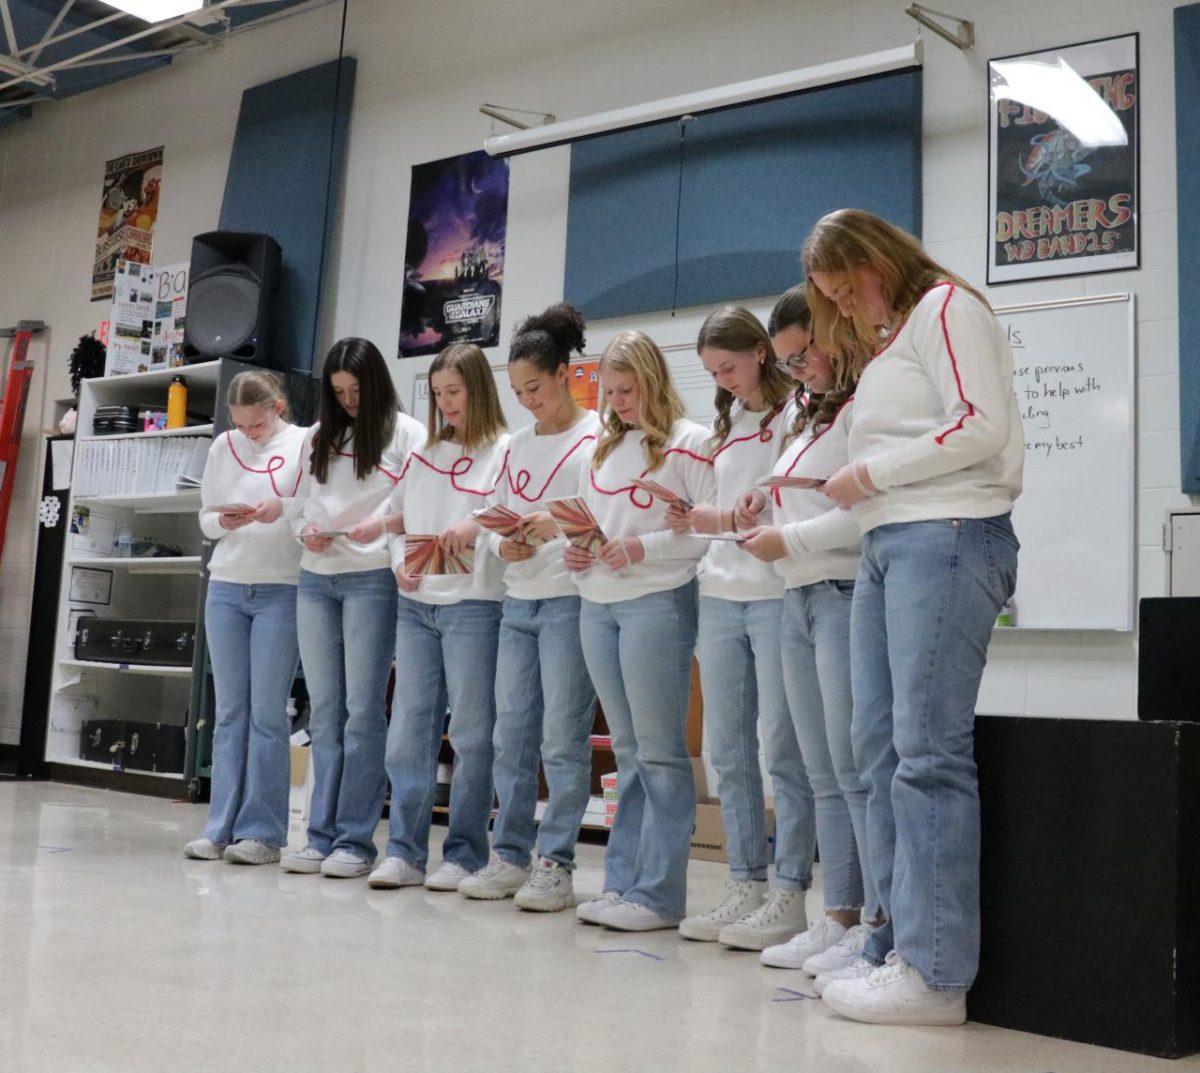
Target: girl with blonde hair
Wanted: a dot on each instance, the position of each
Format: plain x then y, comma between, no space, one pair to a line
637,623
936,451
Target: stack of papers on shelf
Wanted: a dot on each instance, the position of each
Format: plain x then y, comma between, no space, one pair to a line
123,467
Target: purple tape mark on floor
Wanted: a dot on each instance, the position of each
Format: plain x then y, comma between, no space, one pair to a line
56,849
630,950
794,996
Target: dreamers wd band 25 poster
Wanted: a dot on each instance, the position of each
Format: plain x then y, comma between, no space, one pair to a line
454,256
128,209
1063,180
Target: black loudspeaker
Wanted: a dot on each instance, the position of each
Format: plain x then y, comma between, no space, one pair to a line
233,280
1168,670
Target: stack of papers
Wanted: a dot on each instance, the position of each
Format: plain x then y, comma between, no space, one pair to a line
124,467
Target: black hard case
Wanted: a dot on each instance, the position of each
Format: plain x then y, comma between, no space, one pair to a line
158,643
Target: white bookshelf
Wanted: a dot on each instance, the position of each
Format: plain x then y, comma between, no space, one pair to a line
165,587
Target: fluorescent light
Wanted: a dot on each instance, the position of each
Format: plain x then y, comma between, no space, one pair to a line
156,10
570,130
1057,90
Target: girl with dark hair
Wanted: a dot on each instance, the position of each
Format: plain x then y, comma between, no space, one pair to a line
637,622
346,603
936,453
250,620
445,629
815,548
544,698
741,672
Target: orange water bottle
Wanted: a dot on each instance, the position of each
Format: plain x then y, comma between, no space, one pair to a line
177,402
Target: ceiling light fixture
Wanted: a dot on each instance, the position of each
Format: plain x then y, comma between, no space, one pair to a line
156,10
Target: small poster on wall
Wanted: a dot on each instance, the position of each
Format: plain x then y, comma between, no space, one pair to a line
147,320
1063,161
454,254
128,209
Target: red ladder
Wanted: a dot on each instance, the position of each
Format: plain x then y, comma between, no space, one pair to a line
12,413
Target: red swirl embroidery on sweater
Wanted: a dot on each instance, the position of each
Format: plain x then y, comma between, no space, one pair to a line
523,476
274,464
461,467
763,435
393,477
805,449
634,492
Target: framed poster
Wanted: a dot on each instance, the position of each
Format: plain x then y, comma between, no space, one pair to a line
1063,161
454,254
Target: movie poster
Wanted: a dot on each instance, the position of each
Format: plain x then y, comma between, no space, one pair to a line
128,209
1063,176
454,256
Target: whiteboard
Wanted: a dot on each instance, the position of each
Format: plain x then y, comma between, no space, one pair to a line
1075,386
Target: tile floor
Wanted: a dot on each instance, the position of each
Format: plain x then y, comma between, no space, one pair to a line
119,956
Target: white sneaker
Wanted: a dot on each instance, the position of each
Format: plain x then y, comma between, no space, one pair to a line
204,849
741,897
251,851
797,950
589,912
496,880
895,994
448,877
858,967
845,951
780,916
547,890
342,864
629,916
394,872
305,861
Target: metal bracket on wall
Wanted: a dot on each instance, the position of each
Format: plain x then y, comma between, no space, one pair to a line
963,38
497,111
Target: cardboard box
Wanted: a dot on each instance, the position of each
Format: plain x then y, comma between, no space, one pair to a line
300,791
708,836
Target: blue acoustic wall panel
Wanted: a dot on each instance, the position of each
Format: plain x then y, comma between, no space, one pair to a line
286,168
749,182
1187,155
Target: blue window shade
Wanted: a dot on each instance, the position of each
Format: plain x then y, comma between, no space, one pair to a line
754,180
289,144
1187,156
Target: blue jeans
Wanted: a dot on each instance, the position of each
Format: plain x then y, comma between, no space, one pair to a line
347,624
816,671
544,700
925,603
639,654
251,633
444,653
741,676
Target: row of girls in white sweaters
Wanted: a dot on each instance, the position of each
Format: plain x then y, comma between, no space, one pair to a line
889,559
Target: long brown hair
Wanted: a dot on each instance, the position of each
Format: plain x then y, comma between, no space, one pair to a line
377,404
736,329
848,239
792,311
485,418
659,403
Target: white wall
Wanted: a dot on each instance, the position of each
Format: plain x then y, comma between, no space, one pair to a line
424,68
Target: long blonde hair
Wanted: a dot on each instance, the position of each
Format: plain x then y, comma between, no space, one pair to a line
848,239
485,418
659,403
736,329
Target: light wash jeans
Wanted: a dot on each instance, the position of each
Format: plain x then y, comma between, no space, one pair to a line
347,623
925,602
816,671
251,633
741,677
544,701
444,653
639,653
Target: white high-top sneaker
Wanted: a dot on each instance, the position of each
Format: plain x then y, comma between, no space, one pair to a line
780,916
742,897
895,994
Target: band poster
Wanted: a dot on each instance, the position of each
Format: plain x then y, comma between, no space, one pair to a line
128,209
454,254
1063,161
